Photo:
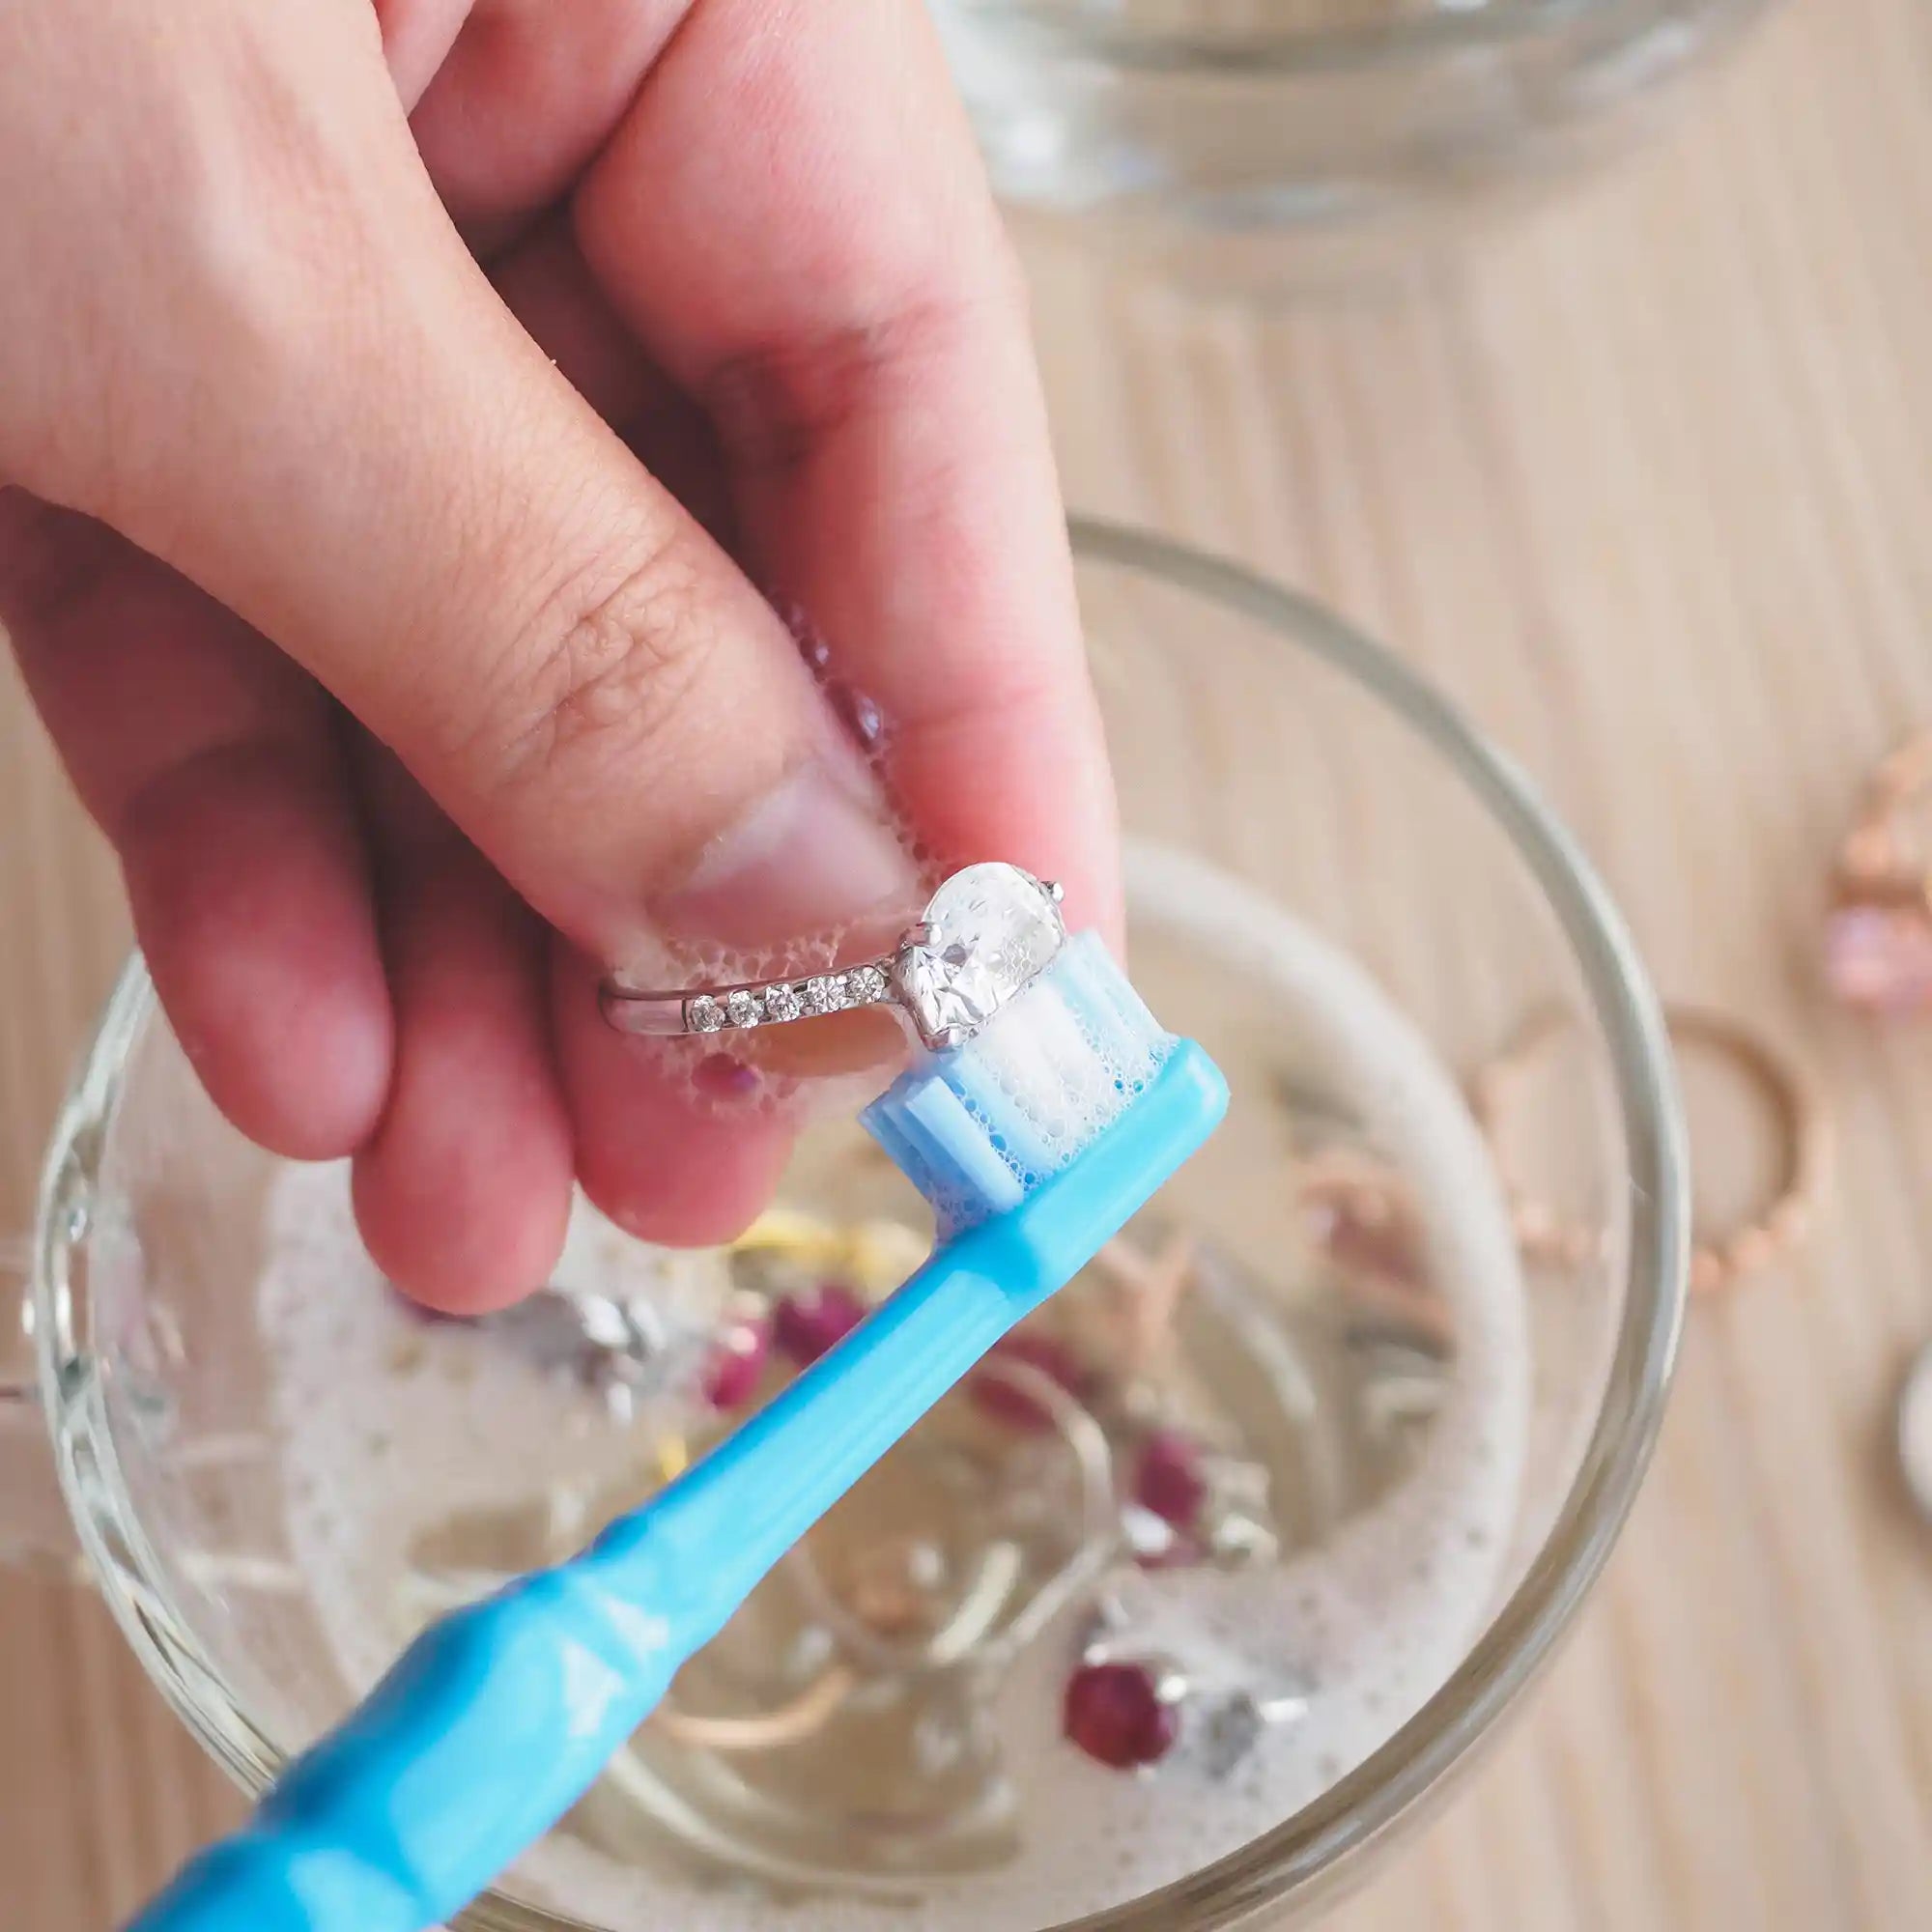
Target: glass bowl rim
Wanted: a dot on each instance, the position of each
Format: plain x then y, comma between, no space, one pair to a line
1265,53
1369,1800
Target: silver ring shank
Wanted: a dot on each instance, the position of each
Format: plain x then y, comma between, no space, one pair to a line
758,1002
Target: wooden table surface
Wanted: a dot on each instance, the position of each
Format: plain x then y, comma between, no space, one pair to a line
1647,483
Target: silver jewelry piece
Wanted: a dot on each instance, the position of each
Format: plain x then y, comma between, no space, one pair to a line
617,1346
986,935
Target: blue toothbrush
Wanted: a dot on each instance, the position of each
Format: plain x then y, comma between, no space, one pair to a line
1036,1141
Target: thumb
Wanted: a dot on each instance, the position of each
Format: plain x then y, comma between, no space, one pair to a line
375,467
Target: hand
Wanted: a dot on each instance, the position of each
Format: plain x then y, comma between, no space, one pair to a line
397,409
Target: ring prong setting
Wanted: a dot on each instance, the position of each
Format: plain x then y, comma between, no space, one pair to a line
987,933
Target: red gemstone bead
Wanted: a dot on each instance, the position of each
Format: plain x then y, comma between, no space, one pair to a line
1168,1479
807,1325
1115,1713
1006,1400
737,1361
1879,958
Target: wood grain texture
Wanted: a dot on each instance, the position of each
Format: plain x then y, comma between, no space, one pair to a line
1644,482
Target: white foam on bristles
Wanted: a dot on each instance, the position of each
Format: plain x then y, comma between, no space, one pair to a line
1110,996
956,1148
1030,1091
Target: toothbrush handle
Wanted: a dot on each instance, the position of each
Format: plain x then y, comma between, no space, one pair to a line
498,1717
481,1736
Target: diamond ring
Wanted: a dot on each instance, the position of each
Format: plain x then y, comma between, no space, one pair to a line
986,935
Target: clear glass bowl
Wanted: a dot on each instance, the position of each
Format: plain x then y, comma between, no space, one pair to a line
1247,144
1252,730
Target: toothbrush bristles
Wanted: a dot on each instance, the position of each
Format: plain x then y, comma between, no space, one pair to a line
978,1128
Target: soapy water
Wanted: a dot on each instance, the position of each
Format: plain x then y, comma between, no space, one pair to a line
418,1458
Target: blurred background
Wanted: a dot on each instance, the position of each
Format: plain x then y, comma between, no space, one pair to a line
1577,348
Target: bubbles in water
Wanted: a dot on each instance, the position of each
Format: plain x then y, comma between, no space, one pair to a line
1374,1616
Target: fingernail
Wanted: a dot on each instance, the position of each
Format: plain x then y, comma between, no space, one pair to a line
815,854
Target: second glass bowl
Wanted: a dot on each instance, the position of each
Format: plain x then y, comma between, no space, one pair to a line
1259,144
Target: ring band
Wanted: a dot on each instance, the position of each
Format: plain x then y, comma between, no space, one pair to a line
759,1003
986,934
1546,1234
1786,1219
1875,860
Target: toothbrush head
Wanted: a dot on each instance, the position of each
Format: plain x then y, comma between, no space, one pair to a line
1052,1058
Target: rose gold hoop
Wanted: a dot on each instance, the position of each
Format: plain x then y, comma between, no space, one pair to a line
1546,1234
1875,853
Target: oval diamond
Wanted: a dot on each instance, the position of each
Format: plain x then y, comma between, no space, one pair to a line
987,932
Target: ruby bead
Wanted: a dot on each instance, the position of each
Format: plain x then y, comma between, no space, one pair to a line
737,1361
806,1326
1168,1480
1115,1713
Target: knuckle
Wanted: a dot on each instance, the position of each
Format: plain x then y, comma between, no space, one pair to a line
775,403
600,675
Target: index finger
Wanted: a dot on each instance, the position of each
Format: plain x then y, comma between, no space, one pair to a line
793,219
